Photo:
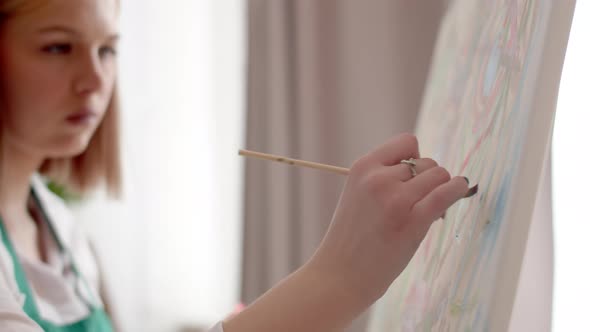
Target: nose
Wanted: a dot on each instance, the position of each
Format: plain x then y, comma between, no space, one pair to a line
90,75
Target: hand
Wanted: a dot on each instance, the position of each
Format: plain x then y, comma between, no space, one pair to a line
382,217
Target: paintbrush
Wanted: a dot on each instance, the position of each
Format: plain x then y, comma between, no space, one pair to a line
303,163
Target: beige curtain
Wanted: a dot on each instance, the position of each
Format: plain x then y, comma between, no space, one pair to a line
327,81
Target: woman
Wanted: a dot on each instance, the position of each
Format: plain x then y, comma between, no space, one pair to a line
58,118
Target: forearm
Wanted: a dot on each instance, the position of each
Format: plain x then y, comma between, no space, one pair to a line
305,301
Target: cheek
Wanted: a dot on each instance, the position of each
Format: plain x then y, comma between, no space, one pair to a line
28,94
27,107
31,86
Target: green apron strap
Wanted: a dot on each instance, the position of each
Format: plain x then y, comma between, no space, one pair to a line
92,302
29,307
96,321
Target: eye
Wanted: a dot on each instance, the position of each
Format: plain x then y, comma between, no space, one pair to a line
107,51
58,49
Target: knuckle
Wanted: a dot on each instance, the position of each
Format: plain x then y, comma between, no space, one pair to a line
410,139
360,165
429,162
442,173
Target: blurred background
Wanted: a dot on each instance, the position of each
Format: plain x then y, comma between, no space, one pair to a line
199,229
172,245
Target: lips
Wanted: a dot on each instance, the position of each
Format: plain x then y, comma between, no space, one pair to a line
82,117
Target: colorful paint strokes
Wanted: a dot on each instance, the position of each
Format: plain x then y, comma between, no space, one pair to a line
473,120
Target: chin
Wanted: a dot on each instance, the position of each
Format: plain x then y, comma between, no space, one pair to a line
70,149
68,153
74,152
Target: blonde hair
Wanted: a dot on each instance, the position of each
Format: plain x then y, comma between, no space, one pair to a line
100,163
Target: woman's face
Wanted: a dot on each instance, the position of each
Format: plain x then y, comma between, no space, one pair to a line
57,75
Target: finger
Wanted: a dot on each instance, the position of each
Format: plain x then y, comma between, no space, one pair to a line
418,187
404,146
403,172
440,199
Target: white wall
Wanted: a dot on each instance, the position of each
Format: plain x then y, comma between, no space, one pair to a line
571,176
172,246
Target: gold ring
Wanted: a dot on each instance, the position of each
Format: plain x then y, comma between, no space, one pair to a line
412,163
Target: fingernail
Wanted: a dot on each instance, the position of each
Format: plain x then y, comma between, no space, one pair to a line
472,191
466,179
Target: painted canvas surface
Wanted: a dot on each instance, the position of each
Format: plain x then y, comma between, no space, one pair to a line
473,121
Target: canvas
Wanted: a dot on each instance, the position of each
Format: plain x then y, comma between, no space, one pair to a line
487,113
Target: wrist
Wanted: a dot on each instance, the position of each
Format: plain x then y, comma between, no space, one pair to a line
310,300
345,284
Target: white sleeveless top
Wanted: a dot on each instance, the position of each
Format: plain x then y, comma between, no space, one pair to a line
52,283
